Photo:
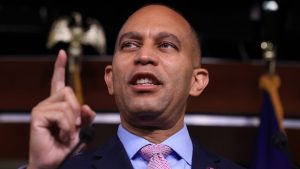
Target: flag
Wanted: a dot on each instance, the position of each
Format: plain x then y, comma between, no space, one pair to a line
271,151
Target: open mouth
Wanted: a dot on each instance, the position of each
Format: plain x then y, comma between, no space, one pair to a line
145,79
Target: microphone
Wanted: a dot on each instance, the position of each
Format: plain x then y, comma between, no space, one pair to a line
86,135
280,141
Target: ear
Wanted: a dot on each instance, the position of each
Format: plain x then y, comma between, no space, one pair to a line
108,77
199,81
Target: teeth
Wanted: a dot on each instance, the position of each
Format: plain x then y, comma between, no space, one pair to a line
144,81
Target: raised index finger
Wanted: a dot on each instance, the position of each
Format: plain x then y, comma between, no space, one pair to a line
58,78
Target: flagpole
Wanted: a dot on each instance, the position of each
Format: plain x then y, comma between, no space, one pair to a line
270,81
269,56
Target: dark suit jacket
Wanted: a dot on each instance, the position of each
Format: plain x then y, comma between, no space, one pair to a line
113,156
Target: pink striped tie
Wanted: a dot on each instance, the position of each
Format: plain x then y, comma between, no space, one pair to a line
156,154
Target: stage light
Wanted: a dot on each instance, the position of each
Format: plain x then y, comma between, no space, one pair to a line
270,6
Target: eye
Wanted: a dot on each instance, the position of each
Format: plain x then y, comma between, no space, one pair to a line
167,45
129,45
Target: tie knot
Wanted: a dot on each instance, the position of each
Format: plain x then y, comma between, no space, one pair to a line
148,151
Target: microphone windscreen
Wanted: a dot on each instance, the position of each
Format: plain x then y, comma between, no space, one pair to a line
87,134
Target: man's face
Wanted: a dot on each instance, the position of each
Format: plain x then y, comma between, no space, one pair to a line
152,70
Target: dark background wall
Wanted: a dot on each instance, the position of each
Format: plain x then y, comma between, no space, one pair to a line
228,29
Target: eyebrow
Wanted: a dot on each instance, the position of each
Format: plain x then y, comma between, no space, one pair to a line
130,35
172,37
161,35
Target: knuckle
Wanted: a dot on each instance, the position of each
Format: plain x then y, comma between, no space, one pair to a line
64,106
67,90
77,108
60,115
35,110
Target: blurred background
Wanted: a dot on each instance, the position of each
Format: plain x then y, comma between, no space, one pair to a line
228,29
225,118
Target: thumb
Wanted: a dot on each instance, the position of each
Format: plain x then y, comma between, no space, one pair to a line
87,115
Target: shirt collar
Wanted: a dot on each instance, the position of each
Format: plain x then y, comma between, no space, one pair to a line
180,142
132,143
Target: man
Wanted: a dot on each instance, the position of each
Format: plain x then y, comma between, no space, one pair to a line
155,68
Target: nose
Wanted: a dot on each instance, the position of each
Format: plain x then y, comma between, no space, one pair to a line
145,56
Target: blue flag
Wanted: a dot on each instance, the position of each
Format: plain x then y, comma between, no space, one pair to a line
271,151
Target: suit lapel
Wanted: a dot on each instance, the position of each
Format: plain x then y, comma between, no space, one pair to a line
112,156
202,159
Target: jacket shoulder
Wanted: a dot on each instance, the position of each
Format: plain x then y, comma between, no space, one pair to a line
104,157
80,160
205,159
